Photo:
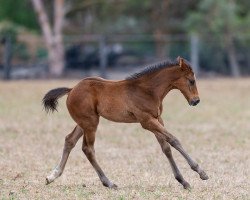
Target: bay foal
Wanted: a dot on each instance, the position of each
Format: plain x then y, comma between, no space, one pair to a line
137,99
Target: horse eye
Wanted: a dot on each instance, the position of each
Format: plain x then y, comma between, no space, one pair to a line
191,82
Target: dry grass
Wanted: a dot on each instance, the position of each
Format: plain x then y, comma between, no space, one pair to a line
215,133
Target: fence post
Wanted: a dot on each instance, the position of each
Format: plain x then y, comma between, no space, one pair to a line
194,40
7,58
103,56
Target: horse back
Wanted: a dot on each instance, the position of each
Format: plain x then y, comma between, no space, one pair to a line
97,96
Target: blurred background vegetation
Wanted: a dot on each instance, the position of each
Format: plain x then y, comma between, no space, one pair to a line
41,38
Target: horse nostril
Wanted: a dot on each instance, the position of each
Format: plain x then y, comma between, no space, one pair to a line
197,101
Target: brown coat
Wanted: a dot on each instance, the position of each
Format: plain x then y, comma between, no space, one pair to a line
137,99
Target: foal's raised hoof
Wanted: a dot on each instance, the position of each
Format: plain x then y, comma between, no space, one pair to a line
203,175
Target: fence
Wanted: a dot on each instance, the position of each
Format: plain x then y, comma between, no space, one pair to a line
27,56
122,51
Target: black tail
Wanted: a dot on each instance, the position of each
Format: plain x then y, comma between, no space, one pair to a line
50,99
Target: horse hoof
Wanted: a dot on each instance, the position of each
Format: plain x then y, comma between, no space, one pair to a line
114,186
110,185
186,186
203,175
48,181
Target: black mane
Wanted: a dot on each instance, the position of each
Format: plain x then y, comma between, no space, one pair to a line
153,68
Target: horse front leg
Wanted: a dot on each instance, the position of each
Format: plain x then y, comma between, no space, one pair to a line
70,142
166,149
156,127
177,174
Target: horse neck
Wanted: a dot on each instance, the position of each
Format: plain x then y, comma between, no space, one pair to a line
159,83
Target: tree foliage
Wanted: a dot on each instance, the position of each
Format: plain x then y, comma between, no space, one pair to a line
219,18
222,22
225,22
18,12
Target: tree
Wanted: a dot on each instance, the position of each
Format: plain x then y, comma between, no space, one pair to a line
52,35
159,18
220,19
13,11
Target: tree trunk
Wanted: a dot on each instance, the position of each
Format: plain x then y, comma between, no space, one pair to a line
158,14
7,57
234,66
235,69
53,40
59,63
194,40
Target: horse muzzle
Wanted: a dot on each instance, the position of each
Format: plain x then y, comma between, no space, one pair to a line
194,101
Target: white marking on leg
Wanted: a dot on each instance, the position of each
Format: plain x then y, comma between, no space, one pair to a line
54,174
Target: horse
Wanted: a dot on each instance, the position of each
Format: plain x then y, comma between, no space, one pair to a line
136,99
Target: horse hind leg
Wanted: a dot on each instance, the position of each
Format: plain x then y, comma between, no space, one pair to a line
70,142
89,151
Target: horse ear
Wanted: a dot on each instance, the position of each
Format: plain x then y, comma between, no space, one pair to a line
181,62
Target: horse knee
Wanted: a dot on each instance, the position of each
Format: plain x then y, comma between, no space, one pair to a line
89,152
86,150
166,149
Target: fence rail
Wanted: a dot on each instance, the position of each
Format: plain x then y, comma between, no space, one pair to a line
103,51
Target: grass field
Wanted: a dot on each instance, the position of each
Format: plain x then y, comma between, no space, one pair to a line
216,133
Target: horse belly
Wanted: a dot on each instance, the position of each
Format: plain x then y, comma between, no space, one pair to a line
117,114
